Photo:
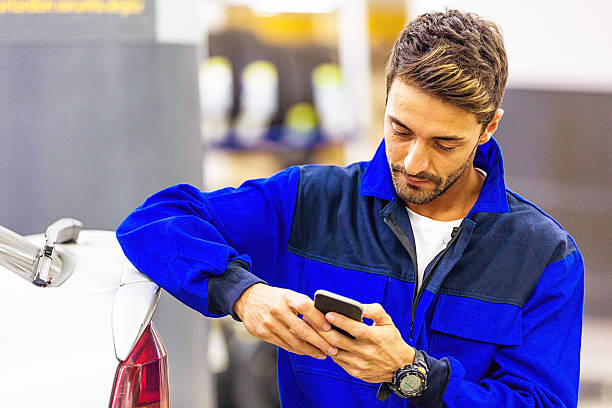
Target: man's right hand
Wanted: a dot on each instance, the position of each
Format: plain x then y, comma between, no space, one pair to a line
271,315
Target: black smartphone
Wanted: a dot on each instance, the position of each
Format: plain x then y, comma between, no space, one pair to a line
327,301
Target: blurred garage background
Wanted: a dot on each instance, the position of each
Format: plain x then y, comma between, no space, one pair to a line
100,106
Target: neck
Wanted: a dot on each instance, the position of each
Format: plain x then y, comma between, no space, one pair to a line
456,202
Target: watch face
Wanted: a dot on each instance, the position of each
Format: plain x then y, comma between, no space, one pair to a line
411,384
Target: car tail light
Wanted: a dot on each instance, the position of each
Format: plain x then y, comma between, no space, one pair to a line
142,379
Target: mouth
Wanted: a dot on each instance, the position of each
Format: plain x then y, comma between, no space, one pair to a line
414,181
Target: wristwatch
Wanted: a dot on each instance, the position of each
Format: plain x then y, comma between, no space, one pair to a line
409,381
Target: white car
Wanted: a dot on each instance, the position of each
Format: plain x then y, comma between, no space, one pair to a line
75,323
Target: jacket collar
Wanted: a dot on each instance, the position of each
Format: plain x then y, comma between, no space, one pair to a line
376,180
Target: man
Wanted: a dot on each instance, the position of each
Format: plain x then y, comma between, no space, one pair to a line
475,295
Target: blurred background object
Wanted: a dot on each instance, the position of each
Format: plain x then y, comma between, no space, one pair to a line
216,97
301,85
100,109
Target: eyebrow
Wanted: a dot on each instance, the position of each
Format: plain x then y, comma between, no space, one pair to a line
449,137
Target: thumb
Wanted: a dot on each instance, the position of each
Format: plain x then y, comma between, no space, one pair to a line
376,312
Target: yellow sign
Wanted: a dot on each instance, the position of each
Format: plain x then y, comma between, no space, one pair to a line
123,8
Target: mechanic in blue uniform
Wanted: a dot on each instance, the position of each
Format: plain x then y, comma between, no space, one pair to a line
474,295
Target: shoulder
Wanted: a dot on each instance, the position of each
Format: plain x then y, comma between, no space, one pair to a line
542,230
329,180
331,173
509,252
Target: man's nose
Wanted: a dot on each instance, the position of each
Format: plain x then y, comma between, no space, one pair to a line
417,159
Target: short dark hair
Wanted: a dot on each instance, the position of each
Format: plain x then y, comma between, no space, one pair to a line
458,57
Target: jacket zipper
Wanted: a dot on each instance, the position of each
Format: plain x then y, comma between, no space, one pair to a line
418,291
401,235
415,300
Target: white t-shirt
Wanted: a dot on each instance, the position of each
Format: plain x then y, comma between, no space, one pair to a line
430,238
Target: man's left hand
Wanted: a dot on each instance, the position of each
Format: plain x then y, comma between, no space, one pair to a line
377,351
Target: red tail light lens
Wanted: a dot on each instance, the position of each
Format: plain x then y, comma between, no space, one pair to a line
142,379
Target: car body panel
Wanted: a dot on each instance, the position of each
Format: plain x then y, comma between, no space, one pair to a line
132,309
60,345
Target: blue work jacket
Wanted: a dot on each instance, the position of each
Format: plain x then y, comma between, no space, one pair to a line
499,314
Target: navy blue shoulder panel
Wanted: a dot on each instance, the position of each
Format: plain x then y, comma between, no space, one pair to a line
513,249
552,232
502,262
334,224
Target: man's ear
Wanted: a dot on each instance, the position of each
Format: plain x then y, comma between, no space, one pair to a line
491,127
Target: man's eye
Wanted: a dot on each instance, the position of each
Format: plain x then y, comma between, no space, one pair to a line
400,134
445,148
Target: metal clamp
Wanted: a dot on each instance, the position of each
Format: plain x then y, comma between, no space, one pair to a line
61,231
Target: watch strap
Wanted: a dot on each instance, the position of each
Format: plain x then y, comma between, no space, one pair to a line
384,391
419,357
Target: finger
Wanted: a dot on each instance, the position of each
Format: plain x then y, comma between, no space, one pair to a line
302,304
376,312
345,366
297,345
358,367
355,328
284,311
347,358
351,367
274,339
289,321
332,350
339,341
275,327
361,374
305,332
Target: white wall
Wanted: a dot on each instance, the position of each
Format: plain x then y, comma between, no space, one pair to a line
551,44
178,21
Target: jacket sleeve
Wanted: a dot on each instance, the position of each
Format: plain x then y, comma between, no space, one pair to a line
206,248
543,371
